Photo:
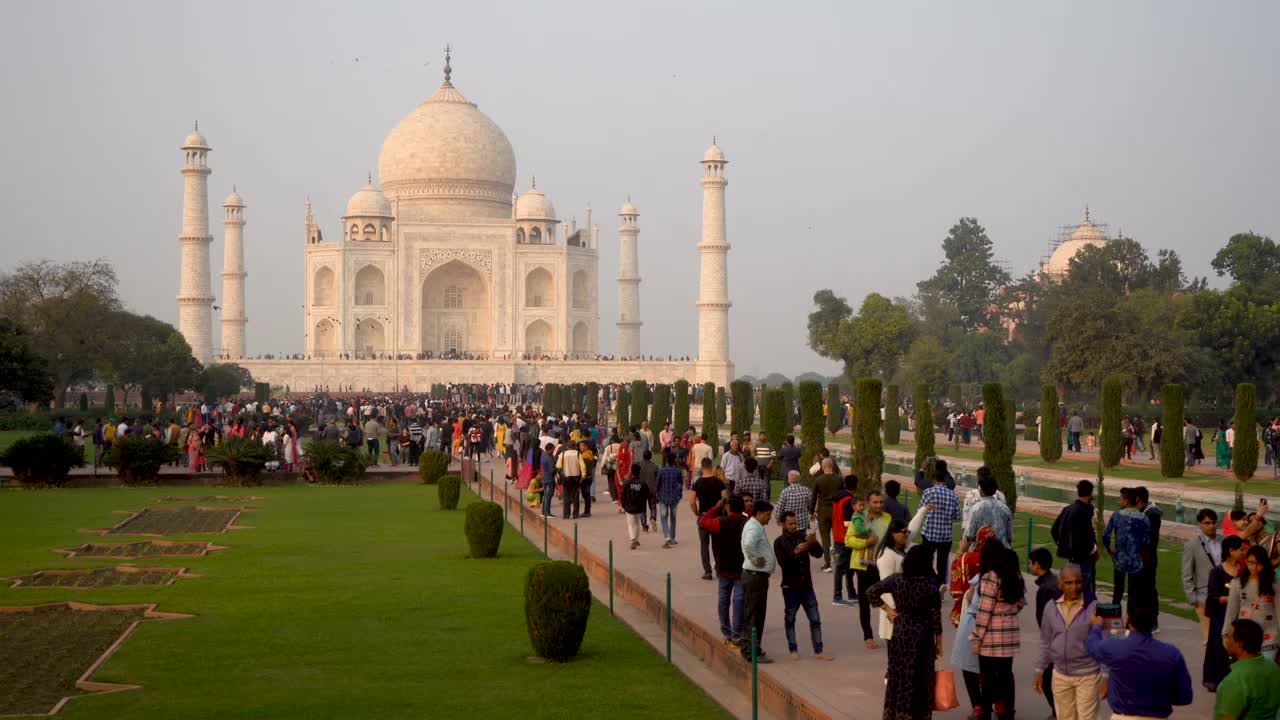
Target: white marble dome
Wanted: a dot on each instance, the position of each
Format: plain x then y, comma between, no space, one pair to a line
533,205
368,201
628,208
447,149
195,140
713,154
1085,234
233,200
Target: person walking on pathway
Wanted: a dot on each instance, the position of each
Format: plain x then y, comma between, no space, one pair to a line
758,563
864,572
635,502
1146,677
938,532
723,521
548,466
708,492
1040,562
573,469
1216,662
1200,555
820,506
649,475
1143,588
795,498
996,637
1131,531
916,615
1064,630
1252,690
1077,541
842,510
793,549
670,492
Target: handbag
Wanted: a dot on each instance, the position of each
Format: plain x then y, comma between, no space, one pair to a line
944,691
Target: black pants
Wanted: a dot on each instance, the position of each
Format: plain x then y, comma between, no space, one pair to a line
373,451
943,550
704,548
973,684
997,685
1120,579
755,591
1142,589
841,577
1046,684
866,578
586,496
569,496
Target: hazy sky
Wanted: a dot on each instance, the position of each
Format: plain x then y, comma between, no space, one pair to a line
856,133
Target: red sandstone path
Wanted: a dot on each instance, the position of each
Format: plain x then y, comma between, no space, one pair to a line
850,687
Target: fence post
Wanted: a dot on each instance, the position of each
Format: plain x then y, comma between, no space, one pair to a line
575,543
611,577
506,498
1030,528
755,677
490,484
668,617
546,532
522,518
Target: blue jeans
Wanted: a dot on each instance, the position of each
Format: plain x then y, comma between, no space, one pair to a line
792,601
548,494
667,514
731,590
1088,580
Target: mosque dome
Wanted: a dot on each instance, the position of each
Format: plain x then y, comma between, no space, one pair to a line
449,157
233,200
368,201
533,205
713,154
628,208
195,140
1085,234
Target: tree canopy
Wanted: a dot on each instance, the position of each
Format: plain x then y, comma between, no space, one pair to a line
870,343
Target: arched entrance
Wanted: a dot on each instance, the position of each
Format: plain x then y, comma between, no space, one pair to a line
581,340
324,341
538,338
370,337
455,310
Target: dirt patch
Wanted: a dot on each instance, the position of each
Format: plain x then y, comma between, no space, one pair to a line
176,521
142,549
101,577
208,498
50,652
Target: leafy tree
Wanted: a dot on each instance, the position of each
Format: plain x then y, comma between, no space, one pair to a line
998,449
660,411
811,426
892,421
868,453
1239,330
110,401
926,363
1050,433
969,278
1248,258
1244,451
710,425
869,343
1110,445
1172,457
924,425
639,402
835,411
84,402
681,416
222,380
977,357
23,372
743,406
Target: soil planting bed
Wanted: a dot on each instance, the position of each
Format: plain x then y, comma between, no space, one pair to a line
208,498
100,577
50,652
142,549
176,521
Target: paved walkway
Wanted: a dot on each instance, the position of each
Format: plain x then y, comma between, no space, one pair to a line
851,686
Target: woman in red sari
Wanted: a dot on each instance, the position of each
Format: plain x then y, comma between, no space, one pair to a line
624,470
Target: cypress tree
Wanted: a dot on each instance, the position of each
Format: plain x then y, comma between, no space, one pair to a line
1100,500
773,419
710,426
1244,453
811,424
892,421
623,411
145,399
1050,433
868,453
660,411
639,402
834,419
84,402
110,400
1173,461
924,425
997,451
592,405
1110,446
742,411
789,403
722,406
681,416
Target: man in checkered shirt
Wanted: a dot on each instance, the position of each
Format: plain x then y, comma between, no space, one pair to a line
938,532
795,497
752,483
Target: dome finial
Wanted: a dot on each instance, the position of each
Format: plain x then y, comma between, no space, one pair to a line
447,70
233,187
713,139
370,177
533,181
1086,212
197,125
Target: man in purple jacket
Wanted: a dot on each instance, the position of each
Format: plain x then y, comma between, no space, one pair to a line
1064,629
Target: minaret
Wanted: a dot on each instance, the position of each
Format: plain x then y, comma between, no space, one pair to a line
628,282
233,275
713,279
195,298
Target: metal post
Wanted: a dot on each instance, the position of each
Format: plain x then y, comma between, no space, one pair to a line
506,504
490,484
546,532
755,677
1030,526
668,617
575,543
611,577
522,518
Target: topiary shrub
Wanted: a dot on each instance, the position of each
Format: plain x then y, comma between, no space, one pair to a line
593,400
432,466
622,411
448,490
997,442
789,397
868,453
1110,444
660,410
892,420
41,460
639,402
109,401
1031,433
924,425
773,419
1173,461
137,460
1050,432
557,605
333,463
835,421
681,413
722,406
1244,452
811,424
743,409
84,403
483,527
242,459
710,424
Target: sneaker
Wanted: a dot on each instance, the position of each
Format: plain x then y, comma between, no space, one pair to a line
729,643
706,576
795,655
666,545
761,659
635,544
673,541
823,656
825,568
841,601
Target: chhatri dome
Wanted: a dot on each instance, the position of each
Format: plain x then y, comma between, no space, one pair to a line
233,200
449,158
533,205
368,201
1085,234
713,153
195,139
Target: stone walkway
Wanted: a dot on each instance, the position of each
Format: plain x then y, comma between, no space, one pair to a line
851,687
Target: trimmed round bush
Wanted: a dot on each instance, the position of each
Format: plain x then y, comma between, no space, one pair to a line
242,459
137,460
557,604
448,490
432,466
333,463
41,459
483,526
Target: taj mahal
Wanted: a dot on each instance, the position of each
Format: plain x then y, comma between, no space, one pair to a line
443,274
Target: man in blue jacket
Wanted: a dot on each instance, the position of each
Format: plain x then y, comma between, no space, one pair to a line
1148,677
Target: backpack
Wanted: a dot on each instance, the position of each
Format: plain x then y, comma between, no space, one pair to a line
1060,534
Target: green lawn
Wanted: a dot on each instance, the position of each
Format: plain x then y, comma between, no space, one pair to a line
338,602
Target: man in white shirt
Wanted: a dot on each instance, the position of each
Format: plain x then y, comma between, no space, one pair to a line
758,562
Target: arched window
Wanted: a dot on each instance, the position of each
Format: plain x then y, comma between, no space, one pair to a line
520,236
384,233
355,232
453,339
453,297
535,236
322,287
539,289
369,286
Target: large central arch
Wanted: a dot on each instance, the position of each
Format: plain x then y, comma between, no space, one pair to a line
456,305
538,338
370,337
